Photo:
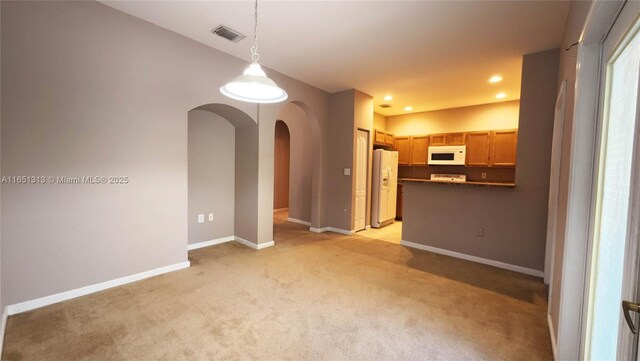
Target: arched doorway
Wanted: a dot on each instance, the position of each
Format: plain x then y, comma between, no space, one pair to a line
222,179
294,132
281,171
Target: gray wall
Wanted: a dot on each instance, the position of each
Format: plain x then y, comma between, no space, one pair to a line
300,161
211,171
340,156
514,219
89,90
349,110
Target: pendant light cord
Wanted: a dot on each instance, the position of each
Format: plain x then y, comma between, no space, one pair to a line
254,50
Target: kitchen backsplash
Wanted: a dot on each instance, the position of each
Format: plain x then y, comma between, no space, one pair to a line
473,174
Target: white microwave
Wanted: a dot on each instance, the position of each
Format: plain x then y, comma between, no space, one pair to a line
447,155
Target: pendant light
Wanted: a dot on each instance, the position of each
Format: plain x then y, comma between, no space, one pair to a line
253,85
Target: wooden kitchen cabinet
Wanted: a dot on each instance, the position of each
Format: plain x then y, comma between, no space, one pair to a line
403,146
388,139
478,149
504,145
438,139
379,137
456,138
447,139
419,150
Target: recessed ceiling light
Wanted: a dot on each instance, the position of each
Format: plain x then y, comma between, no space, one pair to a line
408,109
495,79
501,95
388,97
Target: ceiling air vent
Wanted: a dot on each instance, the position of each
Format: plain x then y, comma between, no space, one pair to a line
228,33
385,105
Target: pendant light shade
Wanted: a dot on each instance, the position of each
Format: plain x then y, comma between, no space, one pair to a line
254,86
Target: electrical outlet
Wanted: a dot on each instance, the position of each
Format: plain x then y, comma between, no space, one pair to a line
483,175
480,232
347,171
210,217
344,211
200,218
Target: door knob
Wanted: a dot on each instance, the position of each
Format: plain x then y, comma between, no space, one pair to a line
630,306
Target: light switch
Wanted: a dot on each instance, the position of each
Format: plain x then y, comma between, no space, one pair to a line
210,217
347,171
200,218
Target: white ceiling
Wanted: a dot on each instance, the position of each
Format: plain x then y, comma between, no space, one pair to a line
427,54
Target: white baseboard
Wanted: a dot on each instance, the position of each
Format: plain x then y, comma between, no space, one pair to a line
240,240
332,229
209,243
490,262
294,220
64,296
341,231
253,245
552,335
266,244
3,327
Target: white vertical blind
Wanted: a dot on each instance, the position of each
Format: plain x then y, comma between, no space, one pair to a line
613,199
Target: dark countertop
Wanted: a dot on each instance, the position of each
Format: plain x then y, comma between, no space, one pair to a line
484,184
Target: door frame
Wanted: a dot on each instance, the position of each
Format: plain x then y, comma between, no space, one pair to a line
582,177
626,341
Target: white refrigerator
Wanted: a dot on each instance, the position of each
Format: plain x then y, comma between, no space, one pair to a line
385,187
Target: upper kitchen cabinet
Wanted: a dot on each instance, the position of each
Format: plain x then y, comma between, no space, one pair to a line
383,139
388,139
419,150
504,144
379,137
412,150
438,139
456,138
403,146
446,139
478,149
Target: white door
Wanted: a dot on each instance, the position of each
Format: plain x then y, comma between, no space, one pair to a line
362,151
613,268
554,184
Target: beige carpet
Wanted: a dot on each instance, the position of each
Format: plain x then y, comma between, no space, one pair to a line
311,297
